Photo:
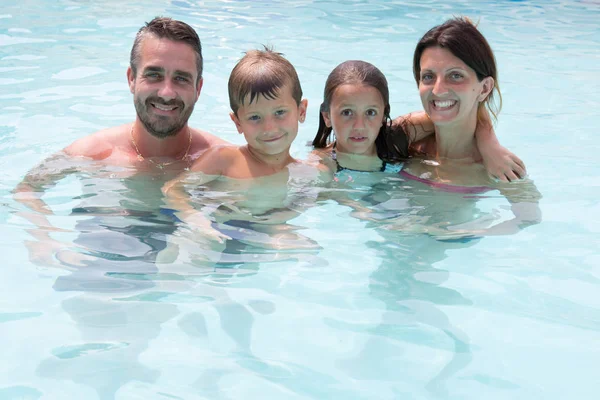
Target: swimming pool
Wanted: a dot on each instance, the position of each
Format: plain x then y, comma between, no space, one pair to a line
339,307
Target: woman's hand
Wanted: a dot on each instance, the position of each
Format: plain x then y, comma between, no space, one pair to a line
502,165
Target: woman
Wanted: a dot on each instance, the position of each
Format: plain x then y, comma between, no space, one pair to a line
455,70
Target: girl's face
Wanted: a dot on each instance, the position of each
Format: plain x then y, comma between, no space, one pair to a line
449,89
356,114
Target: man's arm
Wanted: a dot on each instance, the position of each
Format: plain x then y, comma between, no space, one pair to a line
29,192
41,178
49,172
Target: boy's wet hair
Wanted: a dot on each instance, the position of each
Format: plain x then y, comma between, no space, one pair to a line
167,28
261,73
391,144
461,37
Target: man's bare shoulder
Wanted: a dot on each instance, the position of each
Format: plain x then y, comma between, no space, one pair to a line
203,140
99,145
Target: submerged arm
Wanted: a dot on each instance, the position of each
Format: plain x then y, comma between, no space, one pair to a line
524,202
524,199
31,189
44,176
37,181
178,199
29,192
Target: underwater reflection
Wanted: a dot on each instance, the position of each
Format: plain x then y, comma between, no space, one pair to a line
133,265
413,239
113,336
117,234
418,226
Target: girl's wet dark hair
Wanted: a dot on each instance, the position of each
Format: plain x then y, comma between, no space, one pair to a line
462,38
391,143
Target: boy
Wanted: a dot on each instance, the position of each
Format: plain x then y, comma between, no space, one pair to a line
266,102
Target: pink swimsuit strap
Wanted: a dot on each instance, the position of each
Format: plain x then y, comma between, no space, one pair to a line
446,187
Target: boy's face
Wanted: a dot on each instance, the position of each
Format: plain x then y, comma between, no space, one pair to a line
270,125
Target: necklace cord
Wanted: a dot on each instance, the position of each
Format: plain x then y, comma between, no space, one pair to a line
158,164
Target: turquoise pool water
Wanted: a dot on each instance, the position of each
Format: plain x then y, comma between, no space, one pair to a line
329,305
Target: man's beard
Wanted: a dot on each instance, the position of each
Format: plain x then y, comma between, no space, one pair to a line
159,126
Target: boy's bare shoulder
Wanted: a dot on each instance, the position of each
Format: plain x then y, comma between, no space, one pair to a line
99,145
216,159
223,150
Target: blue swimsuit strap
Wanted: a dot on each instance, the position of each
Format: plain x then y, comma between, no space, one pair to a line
340,168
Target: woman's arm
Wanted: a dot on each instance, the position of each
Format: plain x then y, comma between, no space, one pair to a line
524,203
416,125
501,164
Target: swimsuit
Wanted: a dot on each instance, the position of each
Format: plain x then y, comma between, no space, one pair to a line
340,168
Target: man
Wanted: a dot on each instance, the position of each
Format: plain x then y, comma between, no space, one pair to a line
165,78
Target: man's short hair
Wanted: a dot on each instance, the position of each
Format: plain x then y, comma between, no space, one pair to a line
167,28
261,72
